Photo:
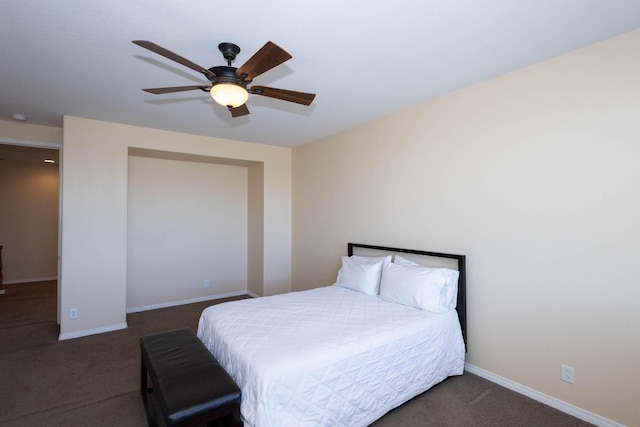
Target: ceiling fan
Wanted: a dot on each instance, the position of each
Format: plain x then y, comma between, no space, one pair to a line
228,85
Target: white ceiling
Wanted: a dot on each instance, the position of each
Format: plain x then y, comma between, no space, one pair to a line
363,59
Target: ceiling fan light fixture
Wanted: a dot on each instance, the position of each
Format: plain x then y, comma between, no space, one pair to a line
228,84
229,94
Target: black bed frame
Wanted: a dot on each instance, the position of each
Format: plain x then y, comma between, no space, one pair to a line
461,307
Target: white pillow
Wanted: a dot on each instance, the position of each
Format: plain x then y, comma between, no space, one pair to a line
452,279
360,276
370,259
406,262
421,287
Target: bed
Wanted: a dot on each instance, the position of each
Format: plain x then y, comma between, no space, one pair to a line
344,354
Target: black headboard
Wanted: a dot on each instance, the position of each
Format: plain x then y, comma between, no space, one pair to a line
461,306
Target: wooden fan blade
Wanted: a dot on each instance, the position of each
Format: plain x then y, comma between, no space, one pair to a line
174,57
285,95
161,90
269,56
239,111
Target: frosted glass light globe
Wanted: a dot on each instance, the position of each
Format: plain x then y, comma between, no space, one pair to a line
229,94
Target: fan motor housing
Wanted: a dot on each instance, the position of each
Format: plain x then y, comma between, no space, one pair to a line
226,74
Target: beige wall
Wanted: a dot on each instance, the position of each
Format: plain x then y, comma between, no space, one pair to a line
187,224
534,176
28,220
25,132
255,229
94,214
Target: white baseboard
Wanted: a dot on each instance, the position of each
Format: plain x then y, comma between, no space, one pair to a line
35,279
111,328
87,332
558,404
184,301
253,294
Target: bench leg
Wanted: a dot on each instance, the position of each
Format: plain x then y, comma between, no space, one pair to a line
230,420
145,392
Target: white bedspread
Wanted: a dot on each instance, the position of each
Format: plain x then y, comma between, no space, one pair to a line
329,356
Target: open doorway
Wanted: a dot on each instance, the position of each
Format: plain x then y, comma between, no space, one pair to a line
29,226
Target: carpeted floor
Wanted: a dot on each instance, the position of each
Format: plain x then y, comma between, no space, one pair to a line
94,381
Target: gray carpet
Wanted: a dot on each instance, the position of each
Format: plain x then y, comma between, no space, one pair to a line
94,381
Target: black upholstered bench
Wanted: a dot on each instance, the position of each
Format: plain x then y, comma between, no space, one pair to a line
190,385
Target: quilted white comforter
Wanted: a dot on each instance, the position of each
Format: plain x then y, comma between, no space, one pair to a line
329,356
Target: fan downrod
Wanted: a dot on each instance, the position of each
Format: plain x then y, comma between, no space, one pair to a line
229,51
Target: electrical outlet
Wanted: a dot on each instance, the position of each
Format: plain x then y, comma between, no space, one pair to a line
206,283
73,313
567,374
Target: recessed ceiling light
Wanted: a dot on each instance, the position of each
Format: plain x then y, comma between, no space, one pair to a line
19,117
49,161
